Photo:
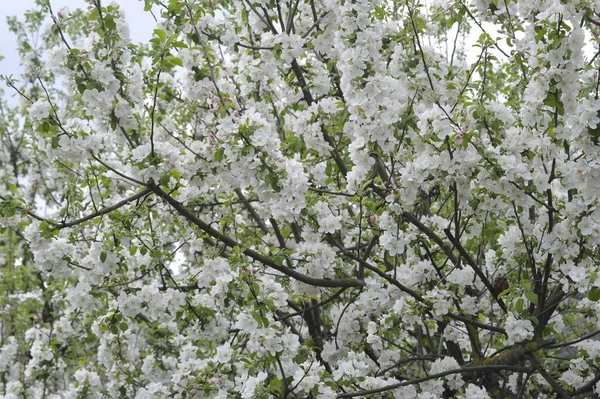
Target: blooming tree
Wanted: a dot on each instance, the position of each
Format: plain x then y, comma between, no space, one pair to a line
303,199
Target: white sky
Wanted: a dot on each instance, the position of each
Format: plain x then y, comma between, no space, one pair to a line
141,25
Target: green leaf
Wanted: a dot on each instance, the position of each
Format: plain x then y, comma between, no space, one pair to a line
155,254
379,13
194,37
279,259
110,22
594,294
219,154
103,256
164,181
531,297
296,144
162,35
541,31
171,61
519,305
276,387
155,44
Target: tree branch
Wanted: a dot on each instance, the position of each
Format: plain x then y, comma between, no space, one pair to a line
102,211
463,370
230,242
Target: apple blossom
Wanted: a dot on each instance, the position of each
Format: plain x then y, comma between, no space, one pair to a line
312,199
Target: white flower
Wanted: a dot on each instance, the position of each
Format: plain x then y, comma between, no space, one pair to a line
592,348
443,364
586,226
513,383
246,323
249,386
517,330
39,109
394,245
56,57
570,377
462,276
8,353
475,392
441,301
330,224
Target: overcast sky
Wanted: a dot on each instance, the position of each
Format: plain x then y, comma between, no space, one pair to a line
141,25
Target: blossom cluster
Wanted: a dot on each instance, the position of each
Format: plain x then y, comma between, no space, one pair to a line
318,199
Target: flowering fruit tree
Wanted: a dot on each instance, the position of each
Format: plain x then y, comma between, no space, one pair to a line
303,199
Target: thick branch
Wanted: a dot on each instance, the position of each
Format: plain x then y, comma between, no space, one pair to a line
516,353
230,242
